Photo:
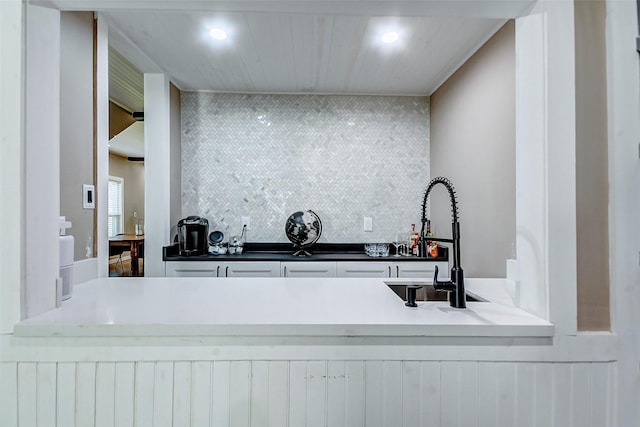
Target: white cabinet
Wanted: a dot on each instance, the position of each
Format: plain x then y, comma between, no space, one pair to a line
408,269
420,269
250,269
308,269
192,269
365,269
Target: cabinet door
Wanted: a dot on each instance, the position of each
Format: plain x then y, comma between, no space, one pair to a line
420,269
364,269
308,269
251,269
191,269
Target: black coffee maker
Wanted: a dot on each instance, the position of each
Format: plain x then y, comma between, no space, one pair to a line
193,232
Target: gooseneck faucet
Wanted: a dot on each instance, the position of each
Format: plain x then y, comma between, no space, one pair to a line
455,286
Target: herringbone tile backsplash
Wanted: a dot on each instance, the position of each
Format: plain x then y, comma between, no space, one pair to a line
267,156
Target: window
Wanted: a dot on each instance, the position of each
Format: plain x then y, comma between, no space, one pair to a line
116,190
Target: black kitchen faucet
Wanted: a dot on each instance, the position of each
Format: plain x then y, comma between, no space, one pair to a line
455,286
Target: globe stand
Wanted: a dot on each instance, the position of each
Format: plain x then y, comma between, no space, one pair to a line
301,252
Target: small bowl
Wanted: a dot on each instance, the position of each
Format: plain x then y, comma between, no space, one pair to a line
216,237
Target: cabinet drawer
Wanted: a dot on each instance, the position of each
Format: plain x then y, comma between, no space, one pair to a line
191,269
251,269
420,269
308,269
364,269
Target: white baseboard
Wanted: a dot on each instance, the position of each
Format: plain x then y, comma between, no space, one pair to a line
84,270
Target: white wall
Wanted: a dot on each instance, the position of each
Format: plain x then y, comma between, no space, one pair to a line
623,107
157,154
42,164
11,154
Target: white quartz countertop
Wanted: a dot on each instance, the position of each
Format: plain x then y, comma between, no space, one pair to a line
277,307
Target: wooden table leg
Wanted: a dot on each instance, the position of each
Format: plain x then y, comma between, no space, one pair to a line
134,258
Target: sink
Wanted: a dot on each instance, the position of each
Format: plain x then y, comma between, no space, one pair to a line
425,293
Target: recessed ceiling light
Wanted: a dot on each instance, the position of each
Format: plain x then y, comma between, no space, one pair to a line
390,37
218,34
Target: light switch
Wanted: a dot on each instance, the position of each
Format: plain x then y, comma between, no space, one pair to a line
368,224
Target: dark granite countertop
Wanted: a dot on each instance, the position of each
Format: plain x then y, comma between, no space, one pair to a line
254,251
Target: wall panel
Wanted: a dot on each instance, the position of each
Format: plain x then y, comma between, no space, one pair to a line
294,393
268,156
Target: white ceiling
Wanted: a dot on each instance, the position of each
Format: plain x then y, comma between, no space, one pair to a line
301,46
303,53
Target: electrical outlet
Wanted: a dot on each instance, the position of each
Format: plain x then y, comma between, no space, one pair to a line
246,221
368,224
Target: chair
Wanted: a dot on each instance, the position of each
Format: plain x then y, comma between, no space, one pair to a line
118,250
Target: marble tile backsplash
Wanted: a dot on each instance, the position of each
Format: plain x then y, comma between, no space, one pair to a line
267,156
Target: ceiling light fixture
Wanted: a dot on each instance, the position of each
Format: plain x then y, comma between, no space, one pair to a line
218,34
390,37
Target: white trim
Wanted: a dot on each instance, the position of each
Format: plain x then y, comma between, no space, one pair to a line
12,115
85,270
623,107
102,144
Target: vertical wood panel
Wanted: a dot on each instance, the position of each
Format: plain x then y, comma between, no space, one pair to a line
580,396
468,398
239,394
459,383
373,394
525,392
46,389
27,394
220,404
85,394
201,399
354,393
181,394
487,395
430,394
278,394
392,392
297,393
9,393
544,395
599,394
163,394
316,393
124,402
506,388
66,394
143,394
105,394
336,388
561,395
308,393
411,394
259,393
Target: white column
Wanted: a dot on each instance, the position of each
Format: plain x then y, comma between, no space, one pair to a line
623,93
102,145
545,163
157,150
11,180
42,159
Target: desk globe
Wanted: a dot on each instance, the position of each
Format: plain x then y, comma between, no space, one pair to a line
303,229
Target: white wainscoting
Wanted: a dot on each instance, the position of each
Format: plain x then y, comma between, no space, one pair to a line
307,393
